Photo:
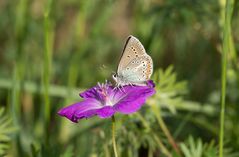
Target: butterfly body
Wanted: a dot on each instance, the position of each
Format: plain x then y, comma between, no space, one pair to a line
135,66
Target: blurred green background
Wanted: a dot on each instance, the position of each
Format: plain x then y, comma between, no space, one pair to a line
51,50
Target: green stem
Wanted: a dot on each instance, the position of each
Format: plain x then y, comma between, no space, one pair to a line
226,47
165,129
113,136
157,139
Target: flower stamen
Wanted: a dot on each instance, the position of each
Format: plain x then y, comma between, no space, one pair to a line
103,88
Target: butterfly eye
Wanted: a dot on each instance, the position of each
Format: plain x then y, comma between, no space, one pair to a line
114,75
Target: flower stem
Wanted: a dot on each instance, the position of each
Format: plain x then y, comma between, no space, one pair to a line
113,136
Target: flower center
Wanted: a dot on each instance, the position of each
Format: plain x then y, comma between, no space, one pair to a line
106,101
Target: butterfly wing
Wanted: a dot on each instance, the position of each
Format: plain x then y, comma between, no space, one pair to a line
132,49
138,71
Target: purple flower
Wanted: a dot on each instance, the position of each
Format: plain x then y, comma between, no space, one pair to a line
104,101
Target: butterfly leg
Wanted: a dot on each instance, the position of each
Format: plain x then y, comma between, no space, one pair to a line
123,89
119,88
116,87
131,84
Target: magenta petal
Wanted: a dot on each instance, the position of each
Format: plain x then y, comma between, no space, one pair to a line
127,107
134,99
90,93
150,83
105,112
84,109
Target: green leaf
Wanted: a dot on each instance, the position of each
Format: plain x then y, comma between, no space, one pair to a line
6,130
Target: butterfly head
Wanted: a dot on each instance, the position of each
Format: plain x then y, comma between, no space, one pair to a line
115,77
119,81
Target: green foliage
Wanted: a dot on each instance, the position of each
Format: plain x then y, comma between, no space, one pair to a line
6,130
52,50
171,93
196,148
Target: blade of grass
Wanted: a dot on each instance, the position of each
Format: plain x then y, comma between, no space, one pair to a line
35,88
232,55
15,96
18,72
225,50
21,20
48,37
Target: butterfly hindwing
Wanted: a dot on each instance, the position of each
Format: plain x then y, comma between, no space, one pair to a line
138,70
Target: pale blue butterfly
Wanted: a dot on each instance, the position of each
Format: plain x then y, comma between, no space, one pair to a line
135,66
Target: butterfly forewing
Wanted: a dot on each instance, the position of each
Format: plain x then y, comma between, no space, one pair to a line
132,49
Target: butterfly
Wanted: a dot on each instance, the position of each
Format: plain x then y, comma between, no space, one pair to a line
135,66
